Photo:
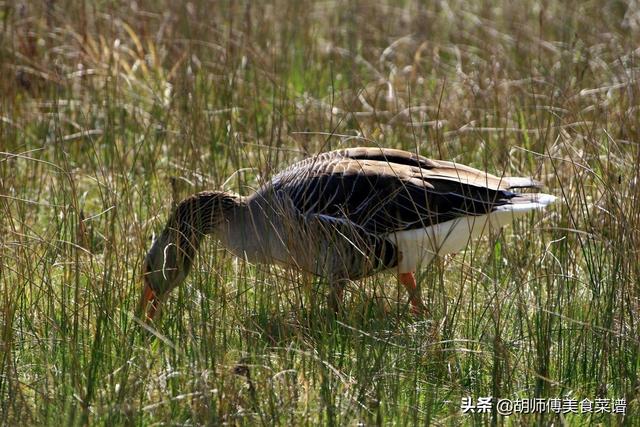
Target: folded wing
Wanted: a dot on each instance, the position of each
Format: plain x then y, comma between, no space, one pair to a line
386,190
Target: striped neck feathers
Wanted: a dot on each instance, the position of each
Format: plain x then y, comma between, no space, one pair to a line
170,258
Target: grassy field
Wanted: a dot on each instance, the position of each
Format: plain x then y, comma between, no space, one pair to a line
111,112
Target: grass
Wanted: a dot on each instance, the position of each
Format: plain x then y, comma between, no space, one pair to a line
112,112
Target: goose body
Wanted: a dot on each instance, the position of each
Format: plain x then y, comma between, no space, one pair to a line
343,215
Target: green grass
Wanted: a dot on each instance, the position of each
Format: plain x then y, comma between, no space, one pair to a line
111,113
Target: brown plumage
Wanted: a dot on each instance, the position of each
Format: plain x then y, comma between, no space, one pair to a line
344,215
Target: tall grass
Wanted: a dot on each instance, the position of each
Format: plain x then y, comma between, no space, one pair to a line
112,112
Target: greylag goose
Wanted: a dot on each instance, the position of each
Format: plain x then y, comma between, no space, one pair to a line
343,215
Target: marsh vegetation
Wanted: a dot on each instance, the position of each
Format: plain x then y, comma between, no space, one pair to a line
112,112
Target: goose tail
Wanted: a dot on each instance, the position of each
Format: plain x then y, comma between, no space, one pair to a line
526,202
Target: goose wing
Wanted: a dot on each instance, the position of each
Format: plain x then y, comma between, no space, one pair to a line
386,190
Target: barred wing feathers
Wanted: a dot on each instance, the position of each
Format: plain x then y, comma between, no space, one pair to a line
386,190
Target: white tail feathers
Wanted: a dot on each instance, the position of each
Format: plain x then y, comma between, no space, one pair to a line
527,202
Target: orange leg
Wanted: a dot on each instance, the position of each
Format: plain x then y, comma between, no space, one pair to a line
409,282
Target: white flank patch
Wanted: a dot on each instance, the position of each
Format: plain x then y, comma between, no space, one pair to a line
418,247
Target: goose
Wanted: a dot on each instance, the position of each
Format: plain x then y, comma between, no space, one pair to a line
343,215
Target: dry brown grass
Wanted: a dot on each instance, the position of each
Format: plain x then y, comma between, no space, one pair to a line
109,112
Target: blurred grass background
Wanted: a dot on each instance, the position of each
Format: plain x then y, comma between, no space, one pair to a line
112,111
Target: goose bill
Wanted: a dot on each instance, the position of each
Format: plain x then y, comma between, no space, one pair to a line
149,302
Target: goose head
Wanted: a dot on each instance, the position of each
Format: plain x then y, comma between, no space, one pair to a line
165,267
171,256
